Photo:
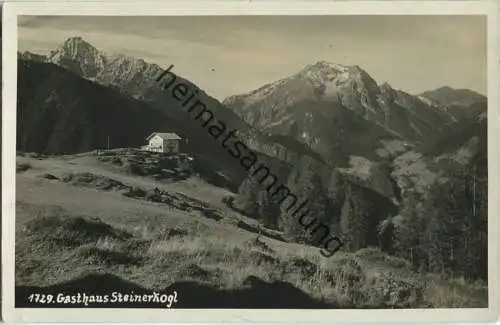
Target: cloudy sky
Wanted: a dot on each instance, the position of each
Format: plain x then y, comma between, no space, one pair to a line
230,55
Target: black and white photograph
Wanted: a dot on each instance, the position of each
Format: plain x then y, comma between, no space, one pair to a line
251,162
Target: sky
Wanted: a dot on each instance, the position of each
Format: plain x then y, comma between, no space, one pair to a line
229,55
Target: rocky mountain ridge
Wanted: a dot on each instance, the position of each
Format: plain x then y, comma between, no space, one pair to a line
303,104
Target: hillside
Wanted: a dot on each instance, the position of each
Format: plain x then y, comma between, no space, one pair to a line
457,135
326,188
59,112
448,96
186,238
461,103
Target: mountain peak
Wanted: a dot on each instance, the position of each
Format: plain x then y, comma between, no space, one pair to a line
324,72
386,88
331,79
449,96
387,91
329,68
321,65
77,45
75,39
80,56
444,88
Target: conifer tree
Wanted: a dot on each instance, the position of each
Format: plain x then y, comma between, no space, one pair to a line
455,237
386,235
409,231
355,220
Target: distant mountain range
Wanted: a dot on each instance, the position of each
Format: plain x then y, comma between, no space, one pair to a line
330,131
335,110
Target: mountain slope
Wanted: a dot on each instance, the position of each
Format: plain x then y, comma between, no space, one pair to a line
326,191
59,112
454,97
461,103
329,106
458,135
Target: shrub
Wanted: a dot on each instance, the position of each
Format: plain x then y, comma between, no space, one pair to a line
167,233
22,167
390,291
299,265
135,192
347,276
152,195
48,176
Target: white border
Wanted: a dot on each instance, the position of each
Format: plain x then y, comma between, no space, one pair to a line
143,8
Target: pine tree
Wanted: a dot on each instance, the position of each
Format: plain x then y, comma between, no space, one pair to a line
268,210
355,220
409,231
455,236
306,182
386,235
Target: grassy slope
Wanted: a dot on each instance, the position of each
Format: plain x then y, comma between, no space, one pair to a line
154,244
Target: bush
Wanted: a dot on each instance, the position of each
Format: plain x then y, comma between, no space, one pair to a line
390,291
228,200
152,195
301,266
22,167
347,277
135,192
167,233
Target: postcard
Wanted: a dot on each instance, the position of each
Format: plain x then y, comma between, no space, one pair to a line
250,162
